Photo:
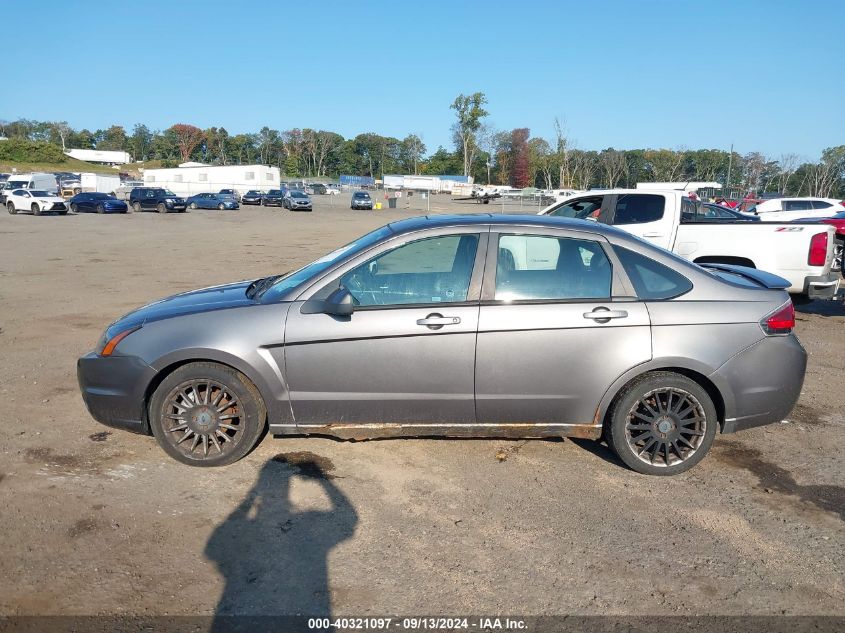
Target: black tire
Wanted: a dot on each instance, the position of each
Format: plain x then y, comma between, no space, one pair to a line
246,418
220,207
100,209
193,205
136,207
161,208
679,403
10,207
73,208
36,210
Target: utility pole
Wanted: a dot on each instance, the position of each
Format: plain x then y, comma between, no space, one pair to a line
730,163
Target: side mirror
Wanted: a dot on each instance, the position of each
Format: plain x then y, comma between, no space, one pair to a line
339,303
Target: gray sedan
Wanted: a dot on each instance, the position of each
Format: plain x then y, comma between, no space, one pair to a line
461,326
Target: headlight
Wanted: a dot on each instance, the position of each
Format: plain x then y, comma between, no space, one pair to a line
106,345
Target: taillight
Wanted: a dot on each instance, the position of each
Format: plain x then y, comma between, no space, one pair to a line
781,321
818,250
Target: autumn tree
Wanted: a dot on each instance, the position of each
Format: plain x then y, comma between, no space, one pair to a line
520,171
187,138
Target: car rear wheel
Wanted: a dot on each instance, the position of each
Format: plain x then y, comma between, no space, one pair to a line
10,207
193,205
136,207
161,208
662,423
207,414
73,208
36,210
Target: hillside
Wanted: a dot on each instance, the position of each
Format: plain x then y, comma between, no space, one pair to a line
69,164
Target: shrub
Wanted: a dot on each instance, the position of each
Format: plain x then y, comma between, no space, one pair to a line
25,151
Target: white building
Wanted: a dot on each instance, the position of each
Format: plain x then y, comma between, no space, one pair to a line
186,181
100,156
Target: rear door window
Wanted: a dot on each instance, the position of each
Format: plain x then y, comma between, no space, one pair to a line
652,280
797,205
536,267
638,209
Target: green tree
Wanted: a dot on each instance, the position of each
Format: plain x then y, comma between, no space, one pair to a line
469,110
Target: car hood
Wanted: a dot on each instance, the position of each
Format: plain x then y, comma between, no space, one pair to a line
49,199
203,300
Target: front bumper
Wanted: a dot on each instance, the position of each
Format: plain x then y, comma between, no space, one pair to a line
823,286
766,381
114,389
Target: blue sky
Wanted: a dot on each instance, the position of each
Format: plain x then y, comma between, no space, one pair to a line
766,75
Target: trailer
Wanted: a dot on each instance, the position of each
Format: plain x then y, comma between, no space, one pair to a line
187,181
101,183
100,156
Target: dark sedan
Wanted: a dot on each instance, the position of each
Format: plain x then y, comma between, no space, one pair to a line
274,198
252,197
211,201
97,202
461,326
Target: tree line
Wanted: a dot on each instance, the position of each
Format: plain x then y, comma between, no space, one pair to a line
480,150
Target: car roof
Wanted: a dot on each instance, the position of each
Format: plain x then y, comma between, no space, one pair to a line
475,219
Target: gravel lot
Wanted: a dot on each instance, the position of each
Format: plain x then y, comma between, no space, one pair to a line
100,521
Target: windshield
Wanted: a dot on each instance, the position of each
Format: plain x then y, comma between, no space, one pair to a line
362,195
16,184
38,193
291,280
167,192
297,194
274,192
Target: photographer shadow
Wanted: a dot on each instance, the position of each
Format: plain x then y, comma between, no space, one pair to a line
273,557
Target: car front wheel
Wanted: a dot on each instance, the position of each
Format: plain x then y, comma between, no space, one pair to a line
36,210
207,414
662,423
136,207
161,208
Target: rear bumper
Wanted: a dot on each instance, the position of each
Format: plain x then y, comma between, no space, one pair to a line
822,286
766,381
113,388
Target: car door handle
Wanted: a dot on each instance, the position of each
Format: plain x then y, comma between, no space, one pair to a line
652,234
603,315
436,321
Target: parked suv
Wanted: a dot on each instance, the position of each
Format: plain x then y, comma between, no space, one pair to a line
230,193
361,200
155,199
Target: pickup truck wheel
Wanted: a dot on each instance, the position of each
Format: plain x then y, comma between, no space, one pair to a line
206,414
10,207
838,249
136,207
36,210
161,208
662,423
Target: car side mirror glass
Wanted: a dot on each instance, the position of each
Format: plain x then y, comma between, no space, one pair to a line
339,303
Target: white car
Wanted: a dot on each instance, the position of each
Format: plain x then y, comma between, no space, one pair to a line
333,190
788,209
34,200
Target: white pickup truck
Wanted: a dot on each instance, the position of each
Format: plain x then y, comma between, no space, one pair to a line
800,253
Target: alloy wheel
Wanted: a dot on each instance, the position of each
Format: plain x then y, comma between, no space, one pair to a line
665,427
202,418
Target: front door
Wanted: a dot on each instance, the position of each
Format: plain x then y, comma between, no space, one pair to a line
645,215
406,355
555,330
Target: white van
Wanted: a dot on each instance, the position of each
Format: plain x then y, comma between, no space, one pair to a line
40,181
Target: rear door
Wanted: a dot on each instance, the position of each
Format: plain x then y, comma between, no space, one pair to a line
646,215
557,326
